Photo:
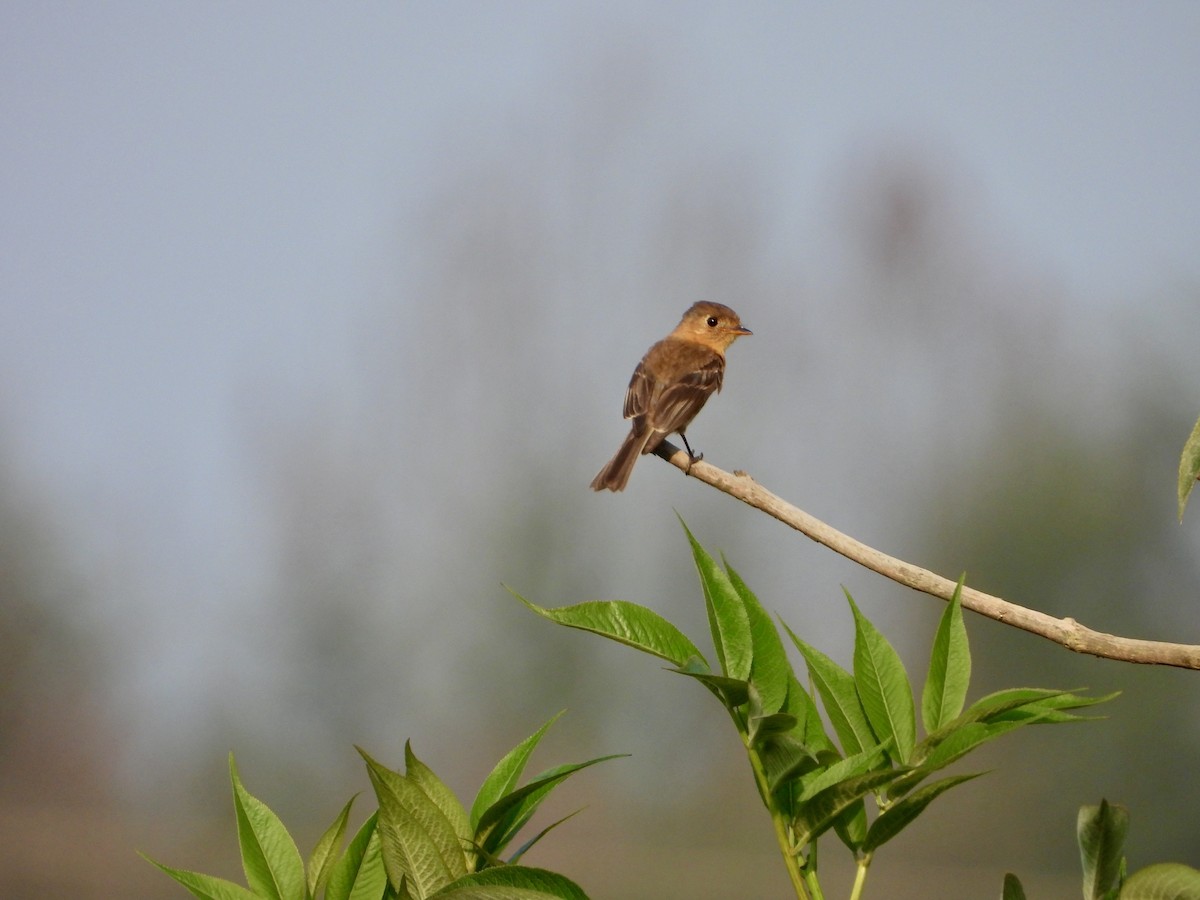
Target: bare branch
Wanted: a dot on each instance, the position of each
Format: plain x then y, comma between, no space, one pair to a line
1067,632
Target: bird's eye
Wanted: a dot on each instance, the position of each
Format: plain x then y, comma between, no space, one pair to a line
712,321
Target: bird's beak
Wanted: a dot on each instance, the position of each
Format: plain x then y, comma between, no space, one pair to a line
742,330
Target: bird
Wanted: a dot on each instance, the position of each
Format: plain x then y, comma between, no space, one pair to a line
671,384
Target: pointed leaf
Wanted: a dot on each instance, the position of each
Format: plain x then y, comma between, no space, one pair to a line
727,618
894,819
500,822
991,708
524,848
320,862
1101,833
1012,888
883,687
851,826
1163,881
987,708
418,842
840,697
513,883
783,759
955,746
762,728
810,730
1034,714
504,820
732,692
270,857
624,622
769,668
359,873
206,887
506,774
442,797
820,813
1053,708
949,668
844,770
1189,467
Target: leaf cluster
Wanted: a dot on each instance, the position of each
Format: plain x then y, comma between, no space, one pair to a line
813,779
1100,831
420,844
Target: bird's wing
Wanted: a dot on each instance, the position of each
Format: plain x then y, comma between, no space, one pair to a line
677,404
641,390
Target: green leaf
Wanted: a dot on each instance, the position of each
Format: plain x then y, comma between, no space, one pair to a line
418,842
624,622
840,697
512,883
1101,832
1011,698
956,744
206,887
783,759
993,707
359,874
504,777
320,862
727,617
442,797
732,692
270,858
810,730
763,728
1052,709
851,826
1012,888
1019,706
843,770
769,668
500,822
820,813
896,817
1189,467
1163,881
524,848
883,686
1035,714
949,668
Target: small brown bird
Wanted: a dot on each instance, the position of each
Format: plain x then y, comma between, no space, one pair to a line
671,384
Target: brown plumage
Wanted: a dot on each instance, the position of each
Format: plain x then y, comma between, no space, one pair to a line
671,384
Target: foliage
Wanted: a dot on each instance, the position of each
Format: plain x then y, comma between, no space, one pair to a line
1101,832
813,782
865,778
1189,467
421,842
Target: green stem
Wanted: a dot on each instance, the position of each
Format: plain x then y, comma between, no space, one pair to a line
810,876
783,835
860,877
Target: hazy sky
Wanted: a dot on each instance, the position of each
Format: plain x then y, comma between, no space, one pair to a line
202,206
196,195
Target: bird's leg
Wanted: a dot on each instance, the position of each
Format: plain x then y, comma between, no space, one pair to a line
696,457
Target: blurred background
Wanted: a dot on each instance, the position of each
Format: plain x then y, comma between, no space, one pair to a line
316,320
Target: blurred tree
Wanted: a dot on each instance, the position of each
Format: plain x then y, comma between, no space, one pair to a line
57,748
1050,518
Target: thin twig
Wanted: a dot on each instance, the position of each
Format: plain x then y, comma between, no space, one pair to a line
1066,632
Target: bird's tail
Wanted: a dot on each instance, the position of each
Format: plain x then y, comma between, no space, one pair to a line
615,474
